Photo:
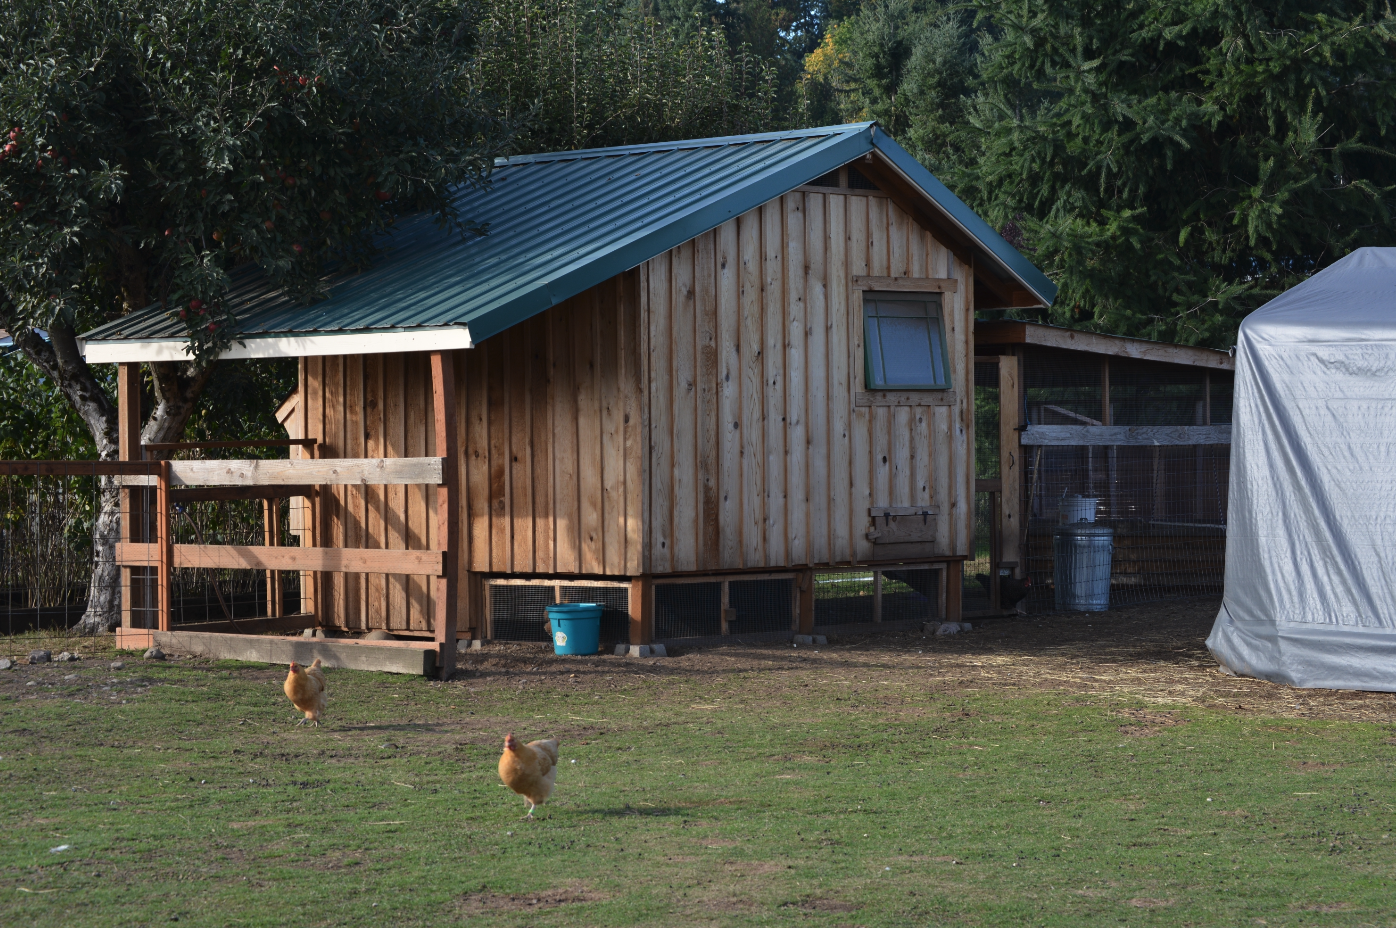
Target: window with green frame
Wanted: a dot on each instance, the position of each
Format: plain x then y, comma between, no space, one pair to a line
904,342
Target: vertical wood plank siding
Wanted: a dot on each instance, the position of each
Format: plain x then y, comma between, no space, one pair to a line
549,413
693,414
757,456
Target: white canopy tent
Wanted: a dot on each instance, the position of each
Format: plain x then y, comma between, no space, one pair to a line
1311,533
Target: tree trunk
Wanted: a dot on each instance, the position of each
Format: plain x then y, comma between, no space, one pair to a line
177,389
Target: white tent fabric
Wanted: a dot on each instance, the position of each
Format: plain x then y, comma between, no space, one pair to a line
1311,529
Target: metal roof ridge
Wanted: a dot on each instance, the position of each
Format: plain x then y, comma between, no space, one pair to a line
721,141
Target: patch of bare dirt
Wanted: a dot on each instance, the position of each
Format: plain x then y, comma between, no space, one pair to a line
822,905
484,901
1144,903
1153,653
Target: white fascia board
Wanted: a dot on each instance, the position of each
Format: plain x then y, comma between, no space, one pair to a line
126,351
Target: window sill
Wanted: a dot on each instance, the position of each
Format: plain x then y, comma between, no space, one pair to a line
906,398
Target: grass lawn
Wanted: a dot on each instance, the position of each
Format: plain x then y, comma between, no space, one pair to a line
1078,770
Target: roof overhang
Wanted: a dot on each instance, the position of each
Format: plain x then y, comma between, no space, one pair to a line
1012,332
384,341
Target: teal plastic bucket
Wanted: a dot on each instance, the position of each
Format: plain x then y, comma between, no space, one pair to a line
575,628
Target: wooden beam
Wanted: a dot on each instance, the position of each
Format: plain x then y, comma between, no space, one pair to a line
443,390
906,398
411,657
954,591
641,610
1011,469
1015,332
323,471
257,626
164,547
1127,435
220,494
256,557
128,421
908,284
805,614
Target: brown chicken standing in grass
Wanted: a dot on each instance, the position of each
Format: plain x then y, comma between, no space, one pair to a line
529,769
305,687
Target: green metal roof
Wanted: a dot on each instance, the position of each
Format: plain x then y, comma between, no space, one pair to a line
561,223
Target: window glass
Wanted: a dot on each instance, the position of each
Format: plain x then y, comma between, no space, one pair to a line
904,342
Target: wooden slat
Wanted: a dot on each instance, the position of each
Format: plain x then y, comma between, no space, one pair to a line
332,471
906,398
314,394
685,526
395,495
729,395
419,415
1011,469
333,447
943,496
773,353
897,221
164,546
1127,435
903,461
257,557
797,499
354,496
520,408
500,470
816,404
860,421
881,436
661,392
708,540
635,353
612,438
907,284
922,454
447,598
752,373
585,342
541,393
375,592
566,503
840,390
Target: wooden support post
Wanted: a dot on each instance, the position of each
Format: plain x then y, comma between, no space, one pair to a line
954,591
805,581
164,540
320,518
641,607
1011,469
271,524
443,390
128,420
877,596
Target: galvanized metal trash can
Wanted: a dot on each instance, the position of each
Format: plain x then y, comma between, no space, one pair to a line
1082,552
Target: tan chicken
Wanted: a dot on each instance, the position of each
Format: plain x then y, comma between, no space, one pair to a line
529,769
305,687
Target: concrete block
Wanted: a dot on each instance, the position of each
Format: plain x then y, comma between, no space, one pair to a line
468,644
622,650
821,639
657,650
803,639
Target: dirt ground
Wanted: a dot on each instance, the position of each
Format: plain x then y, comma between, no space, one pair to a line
1154,653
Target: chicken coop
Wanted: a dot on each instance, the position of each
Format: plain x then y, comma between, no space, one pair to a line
722,386
1141,428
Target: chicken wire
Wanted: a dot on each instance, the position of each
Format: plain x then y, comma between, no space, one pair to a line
735,606
1165,504
861,596
518,608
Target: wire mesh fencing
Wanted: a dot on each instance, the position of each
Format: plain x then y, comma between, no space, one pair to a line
1165,510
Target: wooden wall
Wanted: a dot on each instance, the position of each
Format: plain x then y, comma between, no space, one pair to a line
758,455
551,437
